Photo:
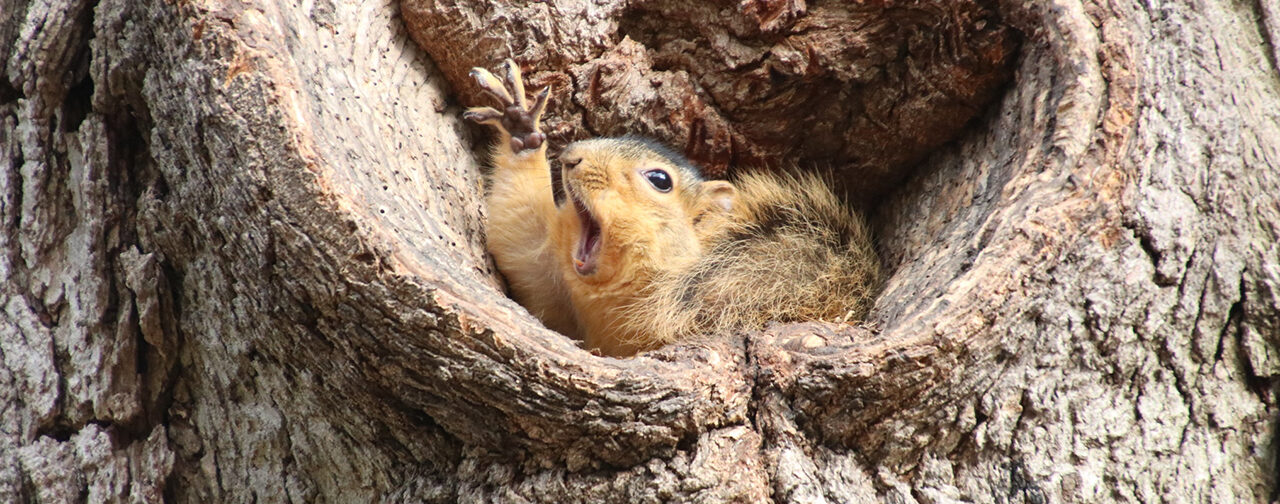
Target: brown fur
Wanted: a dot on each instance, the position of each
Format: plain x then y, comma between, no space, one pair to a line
706,257
792,252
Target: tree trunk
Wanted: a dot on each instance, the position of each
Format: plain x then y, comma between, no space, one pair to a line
243,254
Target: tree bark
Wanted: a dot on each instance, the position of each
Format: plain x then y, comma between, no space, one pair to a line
243,256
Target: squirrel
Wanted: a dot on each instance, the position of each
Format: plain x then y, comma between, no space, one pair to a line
627,247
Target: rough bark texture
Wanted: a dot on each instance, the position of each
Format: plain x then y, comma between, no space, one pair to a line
868,88
243,260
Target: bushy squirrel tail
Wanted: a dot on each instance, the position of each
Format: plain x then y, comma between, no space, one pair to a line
796,252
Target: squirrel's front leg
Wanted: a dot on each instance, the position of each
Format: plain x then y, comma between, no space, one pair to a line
521,208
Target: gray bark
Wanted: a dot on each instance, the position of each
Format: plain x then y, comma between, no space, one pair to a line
243,260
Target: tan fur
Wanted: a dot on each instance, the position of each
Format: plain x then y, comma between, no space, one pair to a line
639,241
521,211
793,252
705,258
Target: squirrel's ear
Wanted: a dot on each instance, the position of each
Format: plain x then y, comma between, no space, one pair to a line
720,195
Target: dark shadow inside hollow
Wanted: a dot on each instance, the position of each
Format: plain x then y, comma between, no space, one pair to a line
867,91
859,94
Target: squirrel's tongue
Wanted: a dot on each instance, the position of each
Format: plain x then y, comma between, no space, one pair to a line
584,258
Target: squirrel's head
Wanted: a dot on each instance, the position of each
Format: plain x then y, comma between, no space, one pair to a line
633,207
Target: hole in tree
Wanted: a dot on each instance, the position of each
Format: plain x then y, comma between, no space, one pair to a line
865,122
8,93
78,104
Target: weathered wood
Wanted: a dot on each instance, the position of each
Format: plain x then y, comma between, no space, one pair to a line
243,260
867,88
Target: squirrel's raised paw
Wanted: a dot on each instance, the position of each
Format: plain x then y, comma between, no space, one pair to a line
516,117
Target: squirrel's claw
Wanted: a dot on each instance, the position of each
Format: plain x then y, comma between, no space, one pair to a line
517,82
483,115
513,116
490,84
540,104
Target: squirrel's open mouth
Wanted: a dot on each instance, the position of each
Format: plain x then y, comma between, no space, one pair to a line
584,257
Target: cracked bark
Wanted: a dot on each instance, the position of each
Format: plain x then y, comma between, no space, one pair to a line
243,255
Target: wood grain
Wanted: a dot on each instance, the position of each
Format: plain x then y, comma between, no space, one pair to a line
243,260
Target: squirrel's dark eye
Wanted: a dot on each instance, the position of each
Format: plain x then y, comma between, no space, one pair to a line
659,179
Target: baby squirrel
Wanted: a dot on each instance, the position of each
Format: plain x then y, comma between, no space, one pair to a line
642,251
